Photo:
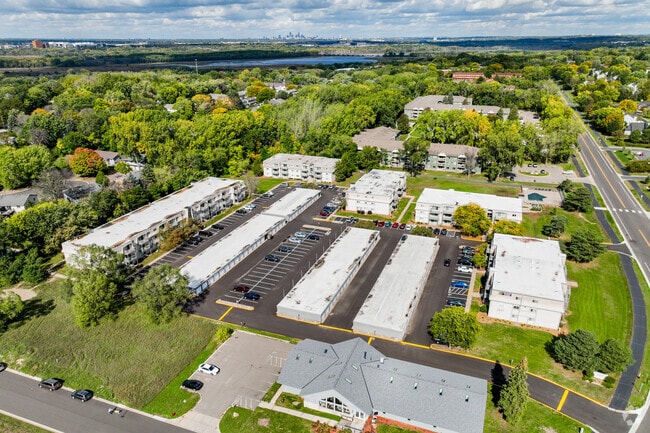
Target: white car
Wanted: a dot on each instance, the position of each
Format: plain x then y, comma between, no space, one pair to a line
268,194
295,240
208,369
300,235
408,227
465,269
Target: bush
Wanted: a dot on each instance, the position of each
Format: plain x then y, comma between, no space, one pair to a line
224,333
638,166
422,231
614,356
584,246
609,382
577,351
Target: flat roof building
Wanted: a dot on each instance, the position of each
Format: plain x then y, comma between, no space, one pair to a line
354,380
420,104
212,263
377,192
527,281
304,167
314,296
135,235
437,206
388,309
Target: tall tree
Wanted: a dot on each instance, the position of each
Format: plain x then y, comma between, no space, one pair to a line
10,307
455,326
585,245
97,275
577,350
163,292
514,395
472,219
415,154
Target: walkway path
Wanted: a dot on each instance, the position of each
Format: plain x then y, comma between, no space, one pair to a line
406,208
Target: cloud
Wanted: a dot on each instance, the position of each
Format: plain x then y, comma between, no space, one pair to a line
180,19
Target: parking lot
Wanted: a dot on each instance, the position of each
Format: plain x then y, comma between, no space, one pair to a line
278,264
249,365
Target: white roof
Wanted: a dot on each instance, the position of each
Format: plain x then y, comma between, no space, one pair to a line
120,229
313,292
226,249
398,287
379,182
292,202
529,266
460,198
297,159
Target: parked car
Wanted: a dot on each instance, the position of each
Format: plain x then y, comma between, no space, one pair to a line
300,235
205,233
325,213
466,261
436,231
465,268
219,226
242,210
195,240
402,226
208,369
313,237
408,227
241,288
447,263
460,284
253,296
51,384
455,303
3,366
443,232
192,384
271,258
285,249
268,194
380,224
82,394
395,225
375,222
295,240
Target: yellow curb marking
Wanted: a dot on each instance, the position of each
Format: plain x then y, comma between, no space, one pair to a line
562,400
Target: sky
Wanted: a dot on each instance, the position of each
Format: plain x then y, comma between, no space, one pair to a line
236,19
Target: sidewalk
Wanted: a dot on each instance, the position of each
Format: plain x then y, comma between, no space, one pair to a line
313,418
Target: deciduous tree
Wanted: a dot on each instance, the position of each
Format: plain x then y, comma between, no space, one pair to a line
455,326
86,162
472,219
10,307
163,292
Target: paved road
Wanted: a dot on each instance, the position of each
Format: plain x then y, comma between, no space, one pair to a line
632,221
22,397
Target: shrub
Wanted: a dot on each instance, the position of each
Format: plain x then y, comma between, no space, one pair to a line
224,333
609,382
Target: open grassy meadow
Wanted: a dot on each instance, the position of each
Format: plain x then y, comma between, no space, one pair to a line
441,180
128,360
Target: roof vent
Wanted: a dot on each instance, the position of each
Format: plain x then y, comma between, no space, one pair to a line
311,359
348,380
381,360
325,351
440,391
391,379
466,397
415,385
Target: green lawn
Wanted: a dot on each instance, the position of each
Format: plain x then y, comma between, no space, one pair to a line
266,183
12,425
600,305
295,402
127,360
536,418
533,222
409,215
240,420
429,179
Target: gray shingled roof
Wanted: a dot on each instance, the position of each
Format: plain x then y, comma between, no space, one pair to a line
16,199
370,381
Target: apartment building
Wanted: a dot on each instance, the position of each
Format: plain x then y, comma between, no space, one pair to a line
302,167
376,192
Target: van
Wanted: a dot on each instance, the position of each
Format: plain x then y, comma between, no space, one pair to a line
460,284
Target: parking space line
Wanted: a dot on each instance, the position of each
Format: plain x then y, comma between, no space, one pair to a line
370,340
225,314
562,400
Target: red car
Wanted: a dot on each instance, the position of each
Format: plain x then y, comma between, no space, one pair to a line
380,224
402,226
395,225
241,288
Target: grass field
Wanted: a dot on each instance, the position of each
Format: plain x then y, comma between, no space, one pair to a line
127,360
12,425
600,305
427,179
535,419
266,183
240,420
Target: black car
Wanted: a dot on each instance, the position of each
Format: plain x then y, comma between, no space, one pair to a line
455,303
313,237
205,233
465,261
443,232
447,263
82,394
194,385
271,258
219,226
253,296
51,384
285,249
3,366
436,231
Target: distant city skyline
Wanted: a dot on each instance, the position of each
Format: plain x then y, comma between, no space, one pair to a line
241,19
